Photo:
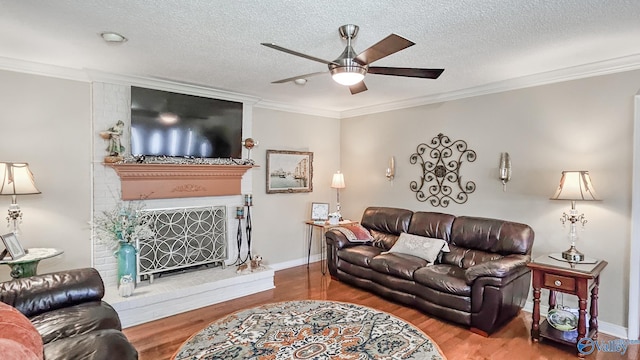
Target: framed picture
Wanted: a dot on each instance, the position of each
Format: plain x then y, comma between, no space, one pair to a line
319,211
13,246
289,171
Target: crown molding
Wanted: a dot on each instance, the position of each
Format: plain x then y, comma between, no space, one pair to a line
273,105
168,85
43,69
90,75
627,63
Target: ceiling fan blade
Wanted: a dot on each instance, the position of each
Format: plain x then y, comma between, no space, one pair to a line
385,47
358,88
309,57
298,77
408,72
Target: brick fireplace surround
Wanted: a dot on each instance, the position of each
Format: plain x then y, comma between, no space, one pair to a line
168,295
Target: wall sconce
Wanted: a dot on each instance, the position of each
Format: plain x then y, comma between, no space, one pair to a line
391,169
504,174
574,186
16,180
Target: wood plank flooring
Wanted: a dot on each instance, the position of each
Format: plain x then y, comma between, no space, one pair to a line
160,339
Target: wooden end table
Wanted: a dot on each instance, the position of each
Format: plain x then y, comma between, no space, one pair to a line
578,279
28,265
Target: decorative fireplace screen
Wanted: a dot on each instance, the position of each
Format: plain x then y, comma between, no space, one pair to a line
184,238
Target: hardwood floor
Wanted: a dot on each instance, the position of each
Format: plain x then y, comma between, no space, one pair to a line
160,339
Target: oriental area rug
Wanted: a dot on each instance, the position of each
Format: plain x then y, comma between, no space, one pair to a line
309,329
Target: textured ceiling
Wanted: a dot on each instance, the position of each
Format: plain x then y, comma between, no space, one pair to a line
217,43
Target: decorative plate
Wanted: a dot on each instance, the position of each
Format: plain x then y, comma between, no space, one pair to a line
563,319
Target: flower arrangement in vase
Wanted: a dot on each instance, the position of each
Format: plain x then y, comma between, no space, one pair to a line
122,224
118,229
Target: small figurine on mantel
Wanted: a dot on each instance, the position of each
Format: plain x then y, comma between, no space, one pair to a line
115,148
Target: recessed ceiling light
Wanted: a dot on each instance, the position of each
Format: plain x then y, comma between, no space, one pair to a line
112,37
300,81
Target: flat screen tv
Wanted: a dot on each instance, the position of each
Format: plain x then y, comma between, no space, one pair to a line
170,124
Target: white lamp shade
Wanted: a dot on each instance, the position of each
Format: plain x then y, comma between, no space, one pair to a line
17,179
338,181
575,186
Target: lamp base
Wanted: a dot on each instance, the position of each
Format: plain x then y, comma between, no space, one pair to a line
572,255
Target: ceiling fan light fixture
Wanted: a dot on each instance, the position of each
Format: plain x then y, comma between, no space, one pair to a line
350,68
348,75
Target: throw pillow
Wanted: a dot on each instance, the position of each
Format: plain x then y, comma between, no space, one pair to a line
420,246
355,232
19,339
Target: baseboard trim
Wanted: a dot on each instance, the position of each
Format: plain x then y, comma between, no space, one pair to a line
294,262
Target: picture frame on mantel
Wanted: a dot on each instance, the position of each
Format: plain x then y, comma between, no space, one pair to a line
289,171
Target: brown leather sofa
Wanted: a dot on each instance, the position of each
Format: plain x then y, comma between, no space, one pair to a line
483,281
67,310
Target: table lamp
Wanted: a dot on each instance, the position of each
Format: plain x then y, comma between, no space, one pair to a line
338,183
574,186
16,179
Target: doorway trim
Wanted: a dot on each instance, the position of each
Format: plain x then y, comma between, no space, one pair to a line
633,328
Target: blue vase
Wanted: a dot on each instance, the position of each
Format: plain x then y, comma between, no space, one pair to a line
126,256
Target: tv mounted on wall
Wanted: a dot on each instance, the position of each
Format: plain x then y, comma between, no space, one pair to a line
169,124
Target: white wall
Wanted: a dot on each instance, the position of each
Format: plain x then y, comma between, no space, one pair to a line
579,125
279,233
46,122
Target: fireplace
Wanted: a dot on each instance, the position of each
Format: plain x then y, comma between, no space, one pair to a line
183,238
169,187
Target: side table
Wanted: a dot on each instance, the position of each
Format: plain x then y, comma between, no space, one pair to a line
28,265
578,279
324,226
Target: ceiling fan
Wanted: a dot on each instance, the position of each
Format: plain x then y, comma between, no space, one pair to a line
349,69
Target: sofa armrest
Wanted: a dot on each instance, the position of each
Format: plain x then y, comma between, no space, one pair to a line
41,293
338,240
497,268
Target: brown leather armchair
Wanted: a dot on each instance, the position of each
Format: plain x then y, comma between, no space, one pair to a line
66,308
482,282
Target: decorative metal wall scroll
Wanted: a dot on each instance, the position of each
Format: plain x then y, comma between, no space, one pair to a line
442,171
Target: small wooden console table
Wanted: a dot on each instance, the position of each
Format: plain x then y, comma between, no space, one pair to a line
572,278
